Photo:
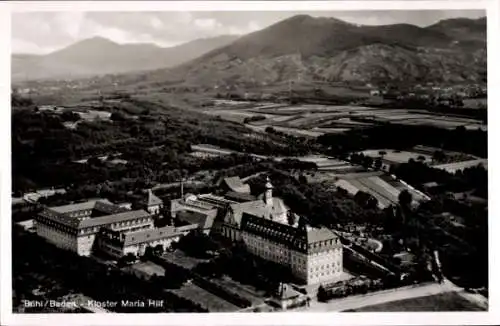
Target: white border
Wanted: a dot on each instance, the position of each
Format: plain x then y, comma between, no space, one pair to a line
7,318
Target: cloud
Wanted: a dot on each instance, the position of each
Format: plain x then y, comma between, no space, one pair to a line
206,23
39,32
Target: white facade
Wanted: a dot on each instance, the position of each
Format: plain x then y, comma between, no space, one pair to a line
313,268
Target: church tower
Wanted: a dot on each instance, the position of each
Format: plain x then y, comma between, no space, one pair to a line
268,197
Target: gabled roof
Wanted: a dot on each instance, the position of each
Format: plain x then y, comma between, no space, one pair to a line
239,196
319,234
258,208
152,199
287,292
303,238
120,217
78,206
204,221
149,235
236,185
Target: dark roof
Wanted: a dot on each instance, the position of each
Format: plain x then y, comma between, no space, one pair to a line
236,185
77,206
239,196
302,238
204,221
120,217
149,235
116,214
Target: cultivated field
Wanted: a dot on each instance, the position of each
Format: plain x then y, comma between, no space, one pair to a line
457,166
384,188
314,120
206,299
395,156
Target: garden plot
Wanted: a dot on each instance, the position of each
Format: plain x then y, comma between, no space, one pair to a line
331,130
457,166
382,201
395,156
206,299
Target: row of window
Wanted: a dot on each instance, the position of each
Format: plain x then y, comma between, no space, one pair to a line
325,273
325,266
80,213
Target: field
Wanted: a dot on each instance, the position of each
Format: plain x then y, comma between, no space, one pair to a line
450,301
396,156
456,166
149,268
212,302
384,188
312,120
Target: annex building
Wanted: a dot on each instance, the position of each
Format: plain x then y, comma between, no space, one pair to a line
116,229
269,230
75,227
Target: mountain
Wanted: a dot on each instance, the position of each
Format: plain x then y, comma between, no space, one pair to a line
462,28
311,49
97,56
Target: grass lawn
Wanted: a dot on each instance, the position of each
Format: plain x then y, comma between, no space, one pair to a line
440,302
212,302
149,268
179,258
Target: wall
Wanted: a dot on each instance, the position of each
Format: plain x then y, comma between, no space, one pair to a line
57,237
324,266
85,244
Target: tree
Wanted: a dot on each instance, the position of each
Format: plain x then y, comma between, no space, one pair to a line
378,163
405,199
117,116
158,250
302,179
148,252
439,156
367,162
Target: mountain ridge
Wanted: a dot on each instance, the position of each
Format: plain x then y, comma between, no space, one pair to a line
309,49
99,55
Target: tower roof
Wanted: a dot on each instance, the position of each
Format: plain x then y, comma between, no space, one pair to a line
269,185
152,199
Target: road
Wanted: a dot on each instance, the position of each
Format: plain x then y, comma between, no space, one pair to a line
356,302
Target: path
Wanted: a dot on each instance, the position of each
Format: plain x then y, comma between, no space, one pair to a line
476,298
356,302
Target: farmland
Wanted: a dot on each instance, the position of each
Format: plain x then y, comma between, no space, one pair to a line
456,166
384,188
310,120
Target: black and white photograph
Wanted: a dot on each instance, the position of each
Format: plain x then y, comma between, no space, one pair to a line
247,161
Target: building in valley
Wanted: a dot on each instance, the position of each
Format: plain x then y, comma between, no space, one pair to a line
313,255
271,231
153,204
75,227
118,244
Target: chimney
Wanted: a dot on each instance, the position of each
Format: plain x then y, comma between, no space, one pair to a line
182,188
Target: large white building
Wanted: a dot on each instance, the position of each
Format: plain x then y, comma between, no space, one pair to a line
75,227
271,231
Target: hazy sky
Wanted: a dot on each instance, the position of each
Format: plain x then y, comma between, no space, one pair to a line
43,32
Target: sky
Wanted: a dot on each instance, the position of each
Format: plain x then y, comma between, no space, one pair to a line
44,32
